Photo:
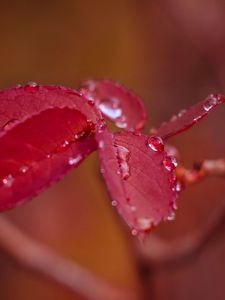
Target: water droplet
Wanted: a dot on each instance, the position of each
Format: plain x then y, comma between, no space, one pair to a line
174,205
9,124
134,232
123,155
155,143
63,146
101,144
74,160
198,118
173,119
169,163
89,85
31,87
101,126
133,208
144,224
114,203
80,135
121,122
181,113
91,126
209,103
91,101
8,181
178,187
153,130
102,170
24,169
171,216
173,182
110,107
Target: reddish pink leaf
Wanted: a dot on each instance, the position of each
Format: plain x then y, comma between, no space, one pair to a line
140,180
21,102
45,132
188,118
116,103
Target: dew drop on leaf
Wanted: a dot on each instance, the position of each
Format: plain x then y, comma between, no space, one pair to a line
101,144
110,107
123,155
169,163
74,160
80,135
144,224
8,181
63,146
171,216
155,143
24,169
209,103
31,87
134,232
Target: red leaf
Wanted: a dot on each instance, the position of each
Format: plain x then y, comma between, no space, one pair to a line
20,103
116,103
141,186
44,136
188,118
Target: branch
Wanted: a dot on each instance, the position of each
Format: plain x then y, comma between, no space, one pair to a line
39,259
200,171
160,255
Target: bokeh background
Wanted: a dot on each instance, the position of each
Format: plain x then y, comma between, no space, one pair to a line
172,53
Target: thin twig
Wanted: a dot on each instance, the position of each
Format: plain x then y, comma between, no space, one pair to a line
200,171
39,259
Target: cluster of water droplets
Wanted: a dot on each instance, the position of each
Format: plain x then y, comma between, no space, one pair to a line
169,163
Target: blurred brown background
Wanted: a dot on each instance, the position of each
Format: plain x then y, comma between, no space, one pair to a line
172,53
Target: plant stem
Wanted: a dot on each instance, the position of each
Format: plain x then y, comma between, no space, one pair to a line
39,259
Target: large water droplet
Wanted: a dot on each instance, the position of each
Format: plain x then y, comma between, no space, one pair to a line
31,87
74,160
8,181
123,155
110,107
155,143
169,163
209,103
